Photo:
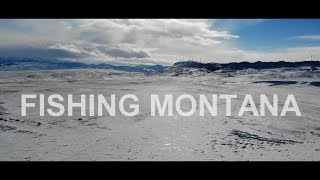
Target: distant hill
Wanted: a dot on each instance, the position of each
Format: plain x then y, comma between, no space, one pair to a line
7,64
197,65
245,65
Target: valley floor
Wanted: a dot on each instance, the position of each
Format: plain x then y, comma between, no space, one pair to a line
144,137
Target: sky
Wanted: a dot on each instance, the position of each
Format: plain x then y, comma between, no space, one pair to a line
161,41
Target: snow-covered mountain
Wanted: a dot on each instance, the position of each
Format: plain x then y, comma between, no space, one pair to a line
246,65
7,64
178,68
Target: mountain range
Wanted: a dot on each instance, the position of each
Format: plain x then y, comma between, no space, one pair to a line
52,64
7,64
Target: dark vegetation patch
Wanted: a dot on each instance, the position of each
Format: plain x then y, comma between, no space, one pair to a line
7,128
315,83
275,83
248,136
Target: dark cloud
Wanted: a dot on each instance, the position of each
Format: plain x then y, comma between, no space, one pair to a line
28,52
116,52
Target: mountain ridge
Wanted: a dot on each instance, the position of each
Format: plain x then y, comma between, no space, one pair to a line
7,64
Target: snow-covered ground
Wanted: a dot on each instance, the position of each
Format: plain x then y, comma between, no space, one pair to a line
144,137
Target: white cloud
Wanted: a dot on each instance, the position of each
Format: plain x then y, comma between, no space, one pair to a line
66,47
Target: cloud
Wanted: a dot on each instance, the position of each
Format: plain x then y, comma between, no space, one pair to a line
67,47
45,53
116,52
134,41
143,31
111,39
287,54
307,37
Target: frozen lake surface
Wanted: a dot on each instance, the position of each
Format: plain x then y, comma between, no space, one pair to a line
144,137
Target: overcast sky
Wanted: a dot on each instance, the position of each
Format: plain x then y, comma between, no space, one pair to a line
161,41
